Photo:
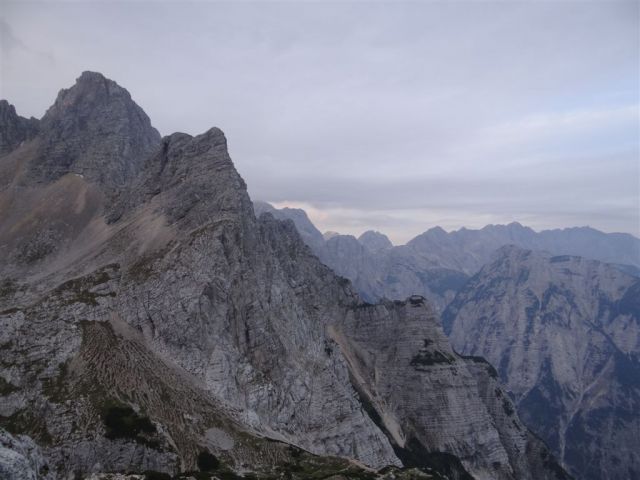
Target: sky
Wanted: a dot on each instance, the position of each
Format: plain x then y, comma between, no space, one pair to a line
392,116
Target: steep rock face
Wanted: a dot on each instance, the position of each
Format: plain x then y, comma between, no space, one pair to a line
174,322
403,363
20,458
93,129
564,333
307,230
14,129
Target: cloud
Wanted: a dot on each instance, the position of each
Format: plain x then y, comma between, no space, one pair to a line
11,45
402,115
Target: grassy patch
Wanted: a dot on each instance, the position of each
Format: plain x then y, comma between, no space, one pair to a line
142,268
207,462
79,291
122,421
6,388
506,406
427,358
25,422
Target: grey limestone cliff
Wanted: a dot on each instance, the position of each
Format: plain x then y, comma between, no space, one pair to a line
564,334
167,324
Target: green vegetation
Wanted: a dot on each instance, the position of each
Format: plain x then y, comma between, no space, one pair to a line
6,388
207,462
506,406
142,268
426,358
26,422
121,421
8,287
80,287
34,251
440,464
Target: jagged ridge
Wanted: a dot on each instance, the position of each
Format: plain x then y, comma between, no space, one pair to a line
178,276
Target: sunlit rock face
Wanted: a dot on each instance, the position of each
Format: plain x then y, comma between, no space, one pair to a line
148,317
564,334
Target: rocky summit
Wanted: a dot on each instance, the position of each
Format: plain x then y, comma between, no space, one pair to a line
153,326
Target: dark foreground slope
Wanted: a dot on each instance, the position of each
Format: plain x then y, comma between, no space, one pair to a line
564,333
149,321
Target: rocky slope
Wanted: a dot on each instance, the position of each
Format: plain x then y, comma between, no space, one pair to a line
150,321
564,334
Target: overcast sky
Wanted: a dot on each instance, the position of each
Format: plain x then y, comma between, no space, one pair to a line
390,116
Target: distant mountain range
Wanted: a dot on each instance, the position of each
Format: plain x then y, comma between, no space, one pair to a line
564,334
436,264
561,326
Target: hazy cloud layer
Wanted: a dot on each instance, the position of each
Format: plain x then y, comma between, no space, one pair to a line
393,116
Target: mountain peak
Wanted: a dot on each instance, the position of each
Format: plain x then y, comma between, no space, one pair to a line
89,79
438,231
91,91
95,129
375,241
88,76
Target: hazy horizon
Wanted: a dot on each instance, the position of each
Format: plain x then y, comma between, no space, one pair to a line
318,222
393,116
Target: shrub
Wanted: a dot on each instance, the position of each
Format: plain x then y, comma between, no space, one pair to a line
123,422
207,462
